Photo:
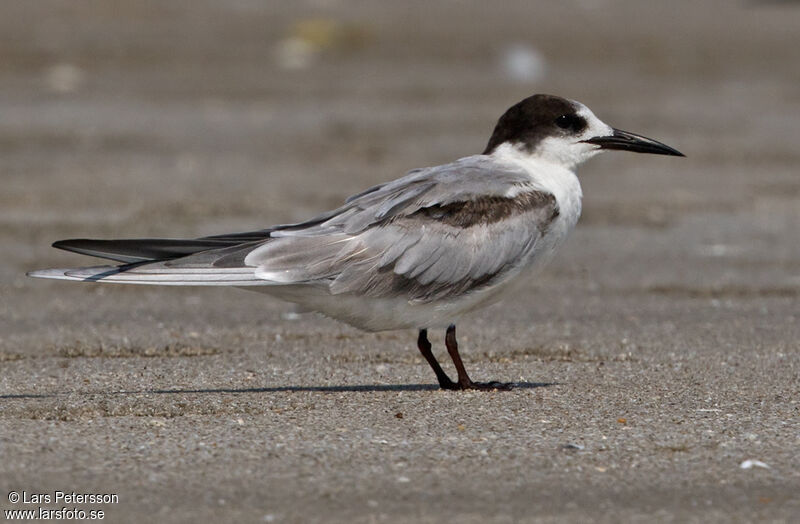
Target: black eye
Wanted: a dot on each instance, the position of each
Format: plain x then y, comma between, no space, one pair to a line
569,122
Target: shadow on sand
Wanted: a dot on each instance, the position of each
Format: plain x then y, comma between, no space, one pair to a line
357,388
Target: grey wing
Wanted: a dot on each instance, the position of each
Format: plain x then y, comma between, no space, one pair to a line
435,233
431,235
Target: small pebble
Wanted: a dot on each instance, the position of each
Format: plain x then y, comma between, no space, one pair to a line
751,463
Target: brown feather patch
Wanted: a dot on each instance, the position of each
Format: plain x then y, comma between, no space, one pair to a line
490,210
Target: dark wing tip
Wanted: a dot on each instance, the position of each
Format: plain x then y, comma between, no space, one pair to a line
69,244
141,249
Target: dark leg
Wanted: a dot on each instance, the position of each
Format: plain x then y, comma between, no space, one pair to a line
464,382
424,346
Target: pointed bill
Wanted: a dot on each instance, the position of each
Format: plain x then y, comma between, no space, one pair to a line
625,141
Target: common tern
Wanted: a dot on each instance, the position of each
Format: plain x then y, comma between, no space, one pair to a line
417,252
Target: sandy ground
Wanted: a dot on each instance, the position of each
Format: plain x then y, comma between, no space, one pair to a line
656,354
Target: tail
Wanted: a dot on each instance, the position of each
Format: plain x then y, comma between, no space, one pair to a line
210,261
153,275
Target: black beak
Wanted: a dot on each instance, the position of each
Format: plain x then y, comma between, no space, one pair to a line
625,141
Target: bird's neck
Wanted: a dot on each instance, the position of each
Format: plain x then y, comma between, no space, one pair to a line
545,174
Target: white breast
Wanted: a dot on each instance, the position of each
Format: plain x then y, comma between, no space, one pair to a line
396,313
553,178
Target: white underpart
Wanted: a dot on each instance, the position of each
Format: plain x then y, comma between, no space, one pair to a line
547,176
552,176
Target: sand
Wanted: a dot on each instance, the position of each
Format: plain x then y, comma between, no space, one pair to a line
656,355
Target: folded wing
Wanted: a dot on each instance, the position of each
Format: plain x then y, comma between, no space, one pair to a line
435,233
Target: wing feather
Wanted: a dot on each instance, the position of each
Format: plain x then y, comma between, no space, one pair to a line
435,233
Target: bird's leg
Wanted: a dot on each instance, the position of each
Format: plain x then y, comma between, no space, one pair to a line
464,382
424,346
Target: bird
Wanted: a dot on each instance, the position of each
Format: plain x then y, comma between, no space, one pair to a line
418,252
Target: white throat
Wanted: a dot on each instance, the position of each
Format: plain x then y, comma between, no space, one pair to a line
546,175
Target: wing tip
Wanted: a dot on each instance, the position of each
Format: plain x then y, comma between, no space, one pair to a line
85,274
121,275
67,244
48,273
37,273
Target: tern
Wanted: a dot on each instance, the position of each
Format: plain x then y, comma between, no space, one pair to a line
418,252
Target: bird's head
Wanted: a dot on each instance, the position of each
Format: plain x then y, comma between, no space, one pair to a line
565,132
